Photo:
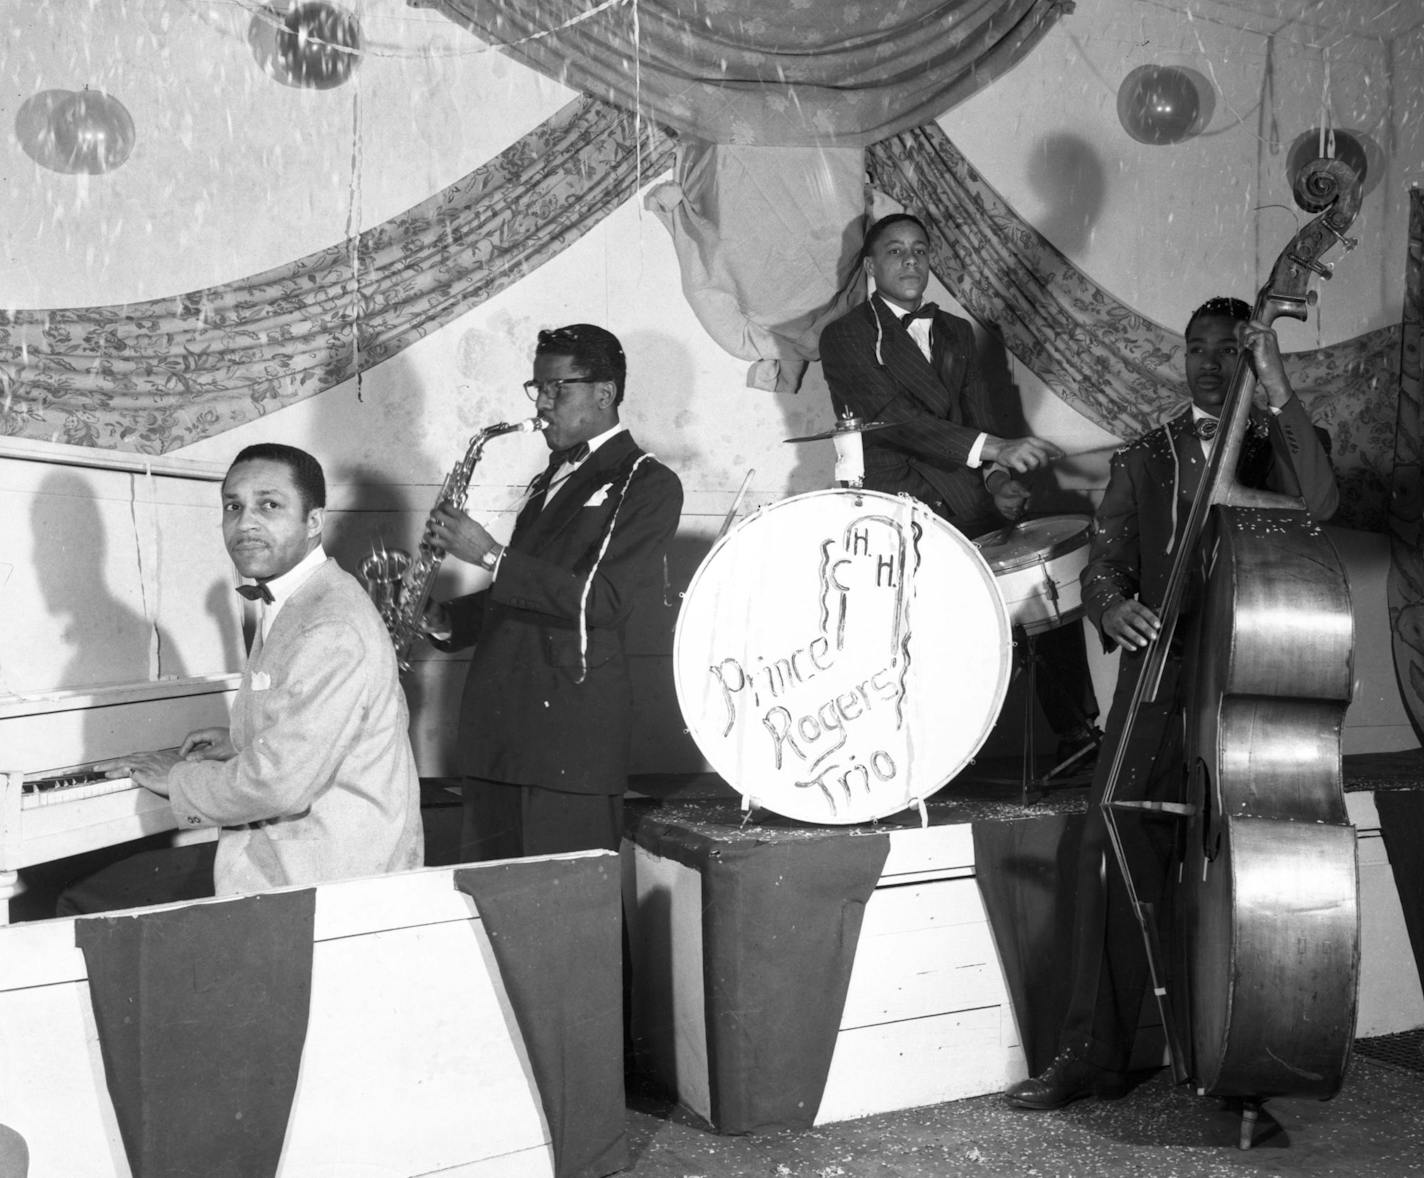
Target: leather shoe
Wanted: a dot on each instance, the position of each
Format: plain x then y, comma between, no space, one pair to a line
1068,1078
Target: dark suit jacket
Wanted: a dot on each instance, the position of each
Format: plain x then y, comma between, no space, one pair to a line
1150,491
943,404
543,705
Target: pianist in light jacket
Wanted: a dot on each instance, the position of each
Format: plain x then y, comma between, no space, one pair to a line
315,780
323,784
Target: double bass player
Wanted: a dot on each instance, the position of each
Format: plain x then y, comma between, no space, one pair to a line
1139,525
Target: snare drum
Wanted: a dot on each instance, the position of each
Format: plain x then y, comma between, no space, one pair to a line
1036,565
841,654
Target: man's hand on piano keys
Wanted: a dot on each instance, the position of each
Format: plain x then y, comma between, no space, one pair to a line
149,770
207,744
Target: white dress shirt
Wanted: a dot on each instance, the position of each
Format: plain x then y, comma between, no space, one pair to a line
288,583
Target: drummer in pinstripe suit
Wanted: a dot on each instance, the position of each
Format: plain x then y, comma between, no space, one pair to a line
896,358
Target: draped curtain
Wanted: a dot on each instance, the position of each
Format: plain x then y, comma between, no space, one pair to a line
818,73
773,101
153,376
1114,365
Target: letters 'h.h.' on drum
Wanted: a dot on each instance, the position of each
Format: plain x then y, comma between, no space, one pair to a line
841,655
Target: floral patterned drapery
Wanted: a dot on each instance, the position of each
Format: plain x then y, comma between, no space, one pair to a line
153,376
1111,363
1406,512
816,73
773,101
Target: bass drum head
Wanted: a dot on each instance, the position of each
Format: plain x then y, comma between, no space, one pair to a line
840,655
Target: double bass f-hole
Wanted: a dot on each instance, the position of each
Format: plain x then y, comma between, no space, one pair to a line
1199,785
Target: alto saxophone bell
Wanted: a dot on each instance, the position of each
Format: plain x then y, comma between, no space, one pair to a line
383,573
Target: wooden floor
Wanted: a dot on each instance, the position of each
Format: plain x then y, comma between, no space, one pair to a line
1372,1129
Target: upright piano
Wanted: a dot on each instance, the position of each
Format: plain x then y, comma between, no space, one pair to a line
53,804
122,634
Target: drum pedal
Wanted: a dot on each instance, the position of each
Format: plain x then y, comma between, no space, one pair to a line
1047,781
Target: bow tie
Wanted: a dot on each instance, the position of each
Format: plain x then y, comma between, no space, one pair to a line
573,455
256,592
923,311
1206,428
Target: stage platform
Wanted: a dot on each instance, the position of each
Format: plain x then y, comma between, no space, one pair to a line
461,1021
788,975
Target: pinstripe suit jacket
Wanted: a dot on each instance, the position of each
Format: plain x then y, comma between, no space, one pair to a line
943,405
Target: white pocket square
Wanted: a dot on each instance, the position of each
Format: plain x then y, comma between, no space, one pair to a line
261,681
598,498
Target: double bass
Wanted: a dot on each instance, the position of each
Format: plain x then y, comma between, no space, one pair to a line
1255,962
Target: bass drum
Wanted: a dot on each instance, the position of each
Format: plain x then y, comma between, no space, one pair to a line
841,655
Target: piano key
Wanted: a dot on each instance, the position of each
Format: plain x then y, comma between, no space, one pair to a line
51,794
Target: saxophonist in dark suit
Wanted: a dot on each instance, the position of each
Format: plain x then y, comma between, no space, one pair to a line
546,719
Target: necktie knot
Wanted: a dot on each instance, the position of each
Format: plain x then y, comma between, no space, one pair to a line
572,455
256,593
923,311
1206,428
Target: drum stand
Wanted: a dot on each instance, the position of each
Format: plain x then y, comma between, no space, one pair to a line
1033,788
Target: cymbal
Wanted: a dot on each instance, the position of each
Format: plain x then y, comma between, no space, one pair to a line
826,435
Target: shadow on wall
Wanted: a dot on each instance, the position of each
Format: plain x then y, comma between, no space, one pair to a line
367,508
713,443
107,640
1067,175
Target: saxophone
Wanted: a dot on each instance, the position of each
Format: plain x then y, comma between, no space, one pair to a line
399,586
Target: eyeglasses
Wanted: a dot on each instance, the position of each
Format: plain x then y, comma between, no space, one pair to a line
553,389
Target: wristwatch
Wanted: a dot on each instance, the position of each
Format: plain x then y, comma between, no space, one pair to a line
490,559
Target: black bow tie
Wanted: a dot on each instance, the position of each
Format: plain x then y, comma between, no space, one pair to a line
1206,428
256,592
573,455
923,311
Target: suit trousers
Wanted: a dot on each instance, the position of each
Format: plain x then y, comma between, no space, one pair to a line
503,820
1110,968
165,876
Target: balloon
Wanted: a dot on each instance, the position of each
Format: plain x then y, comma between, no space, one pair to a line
75,131
1160,104
315,44
94,132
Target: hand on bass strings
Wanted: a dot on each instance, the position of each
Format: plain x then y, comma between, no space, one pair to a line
1131,624
459,535
1265,349
1020,454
